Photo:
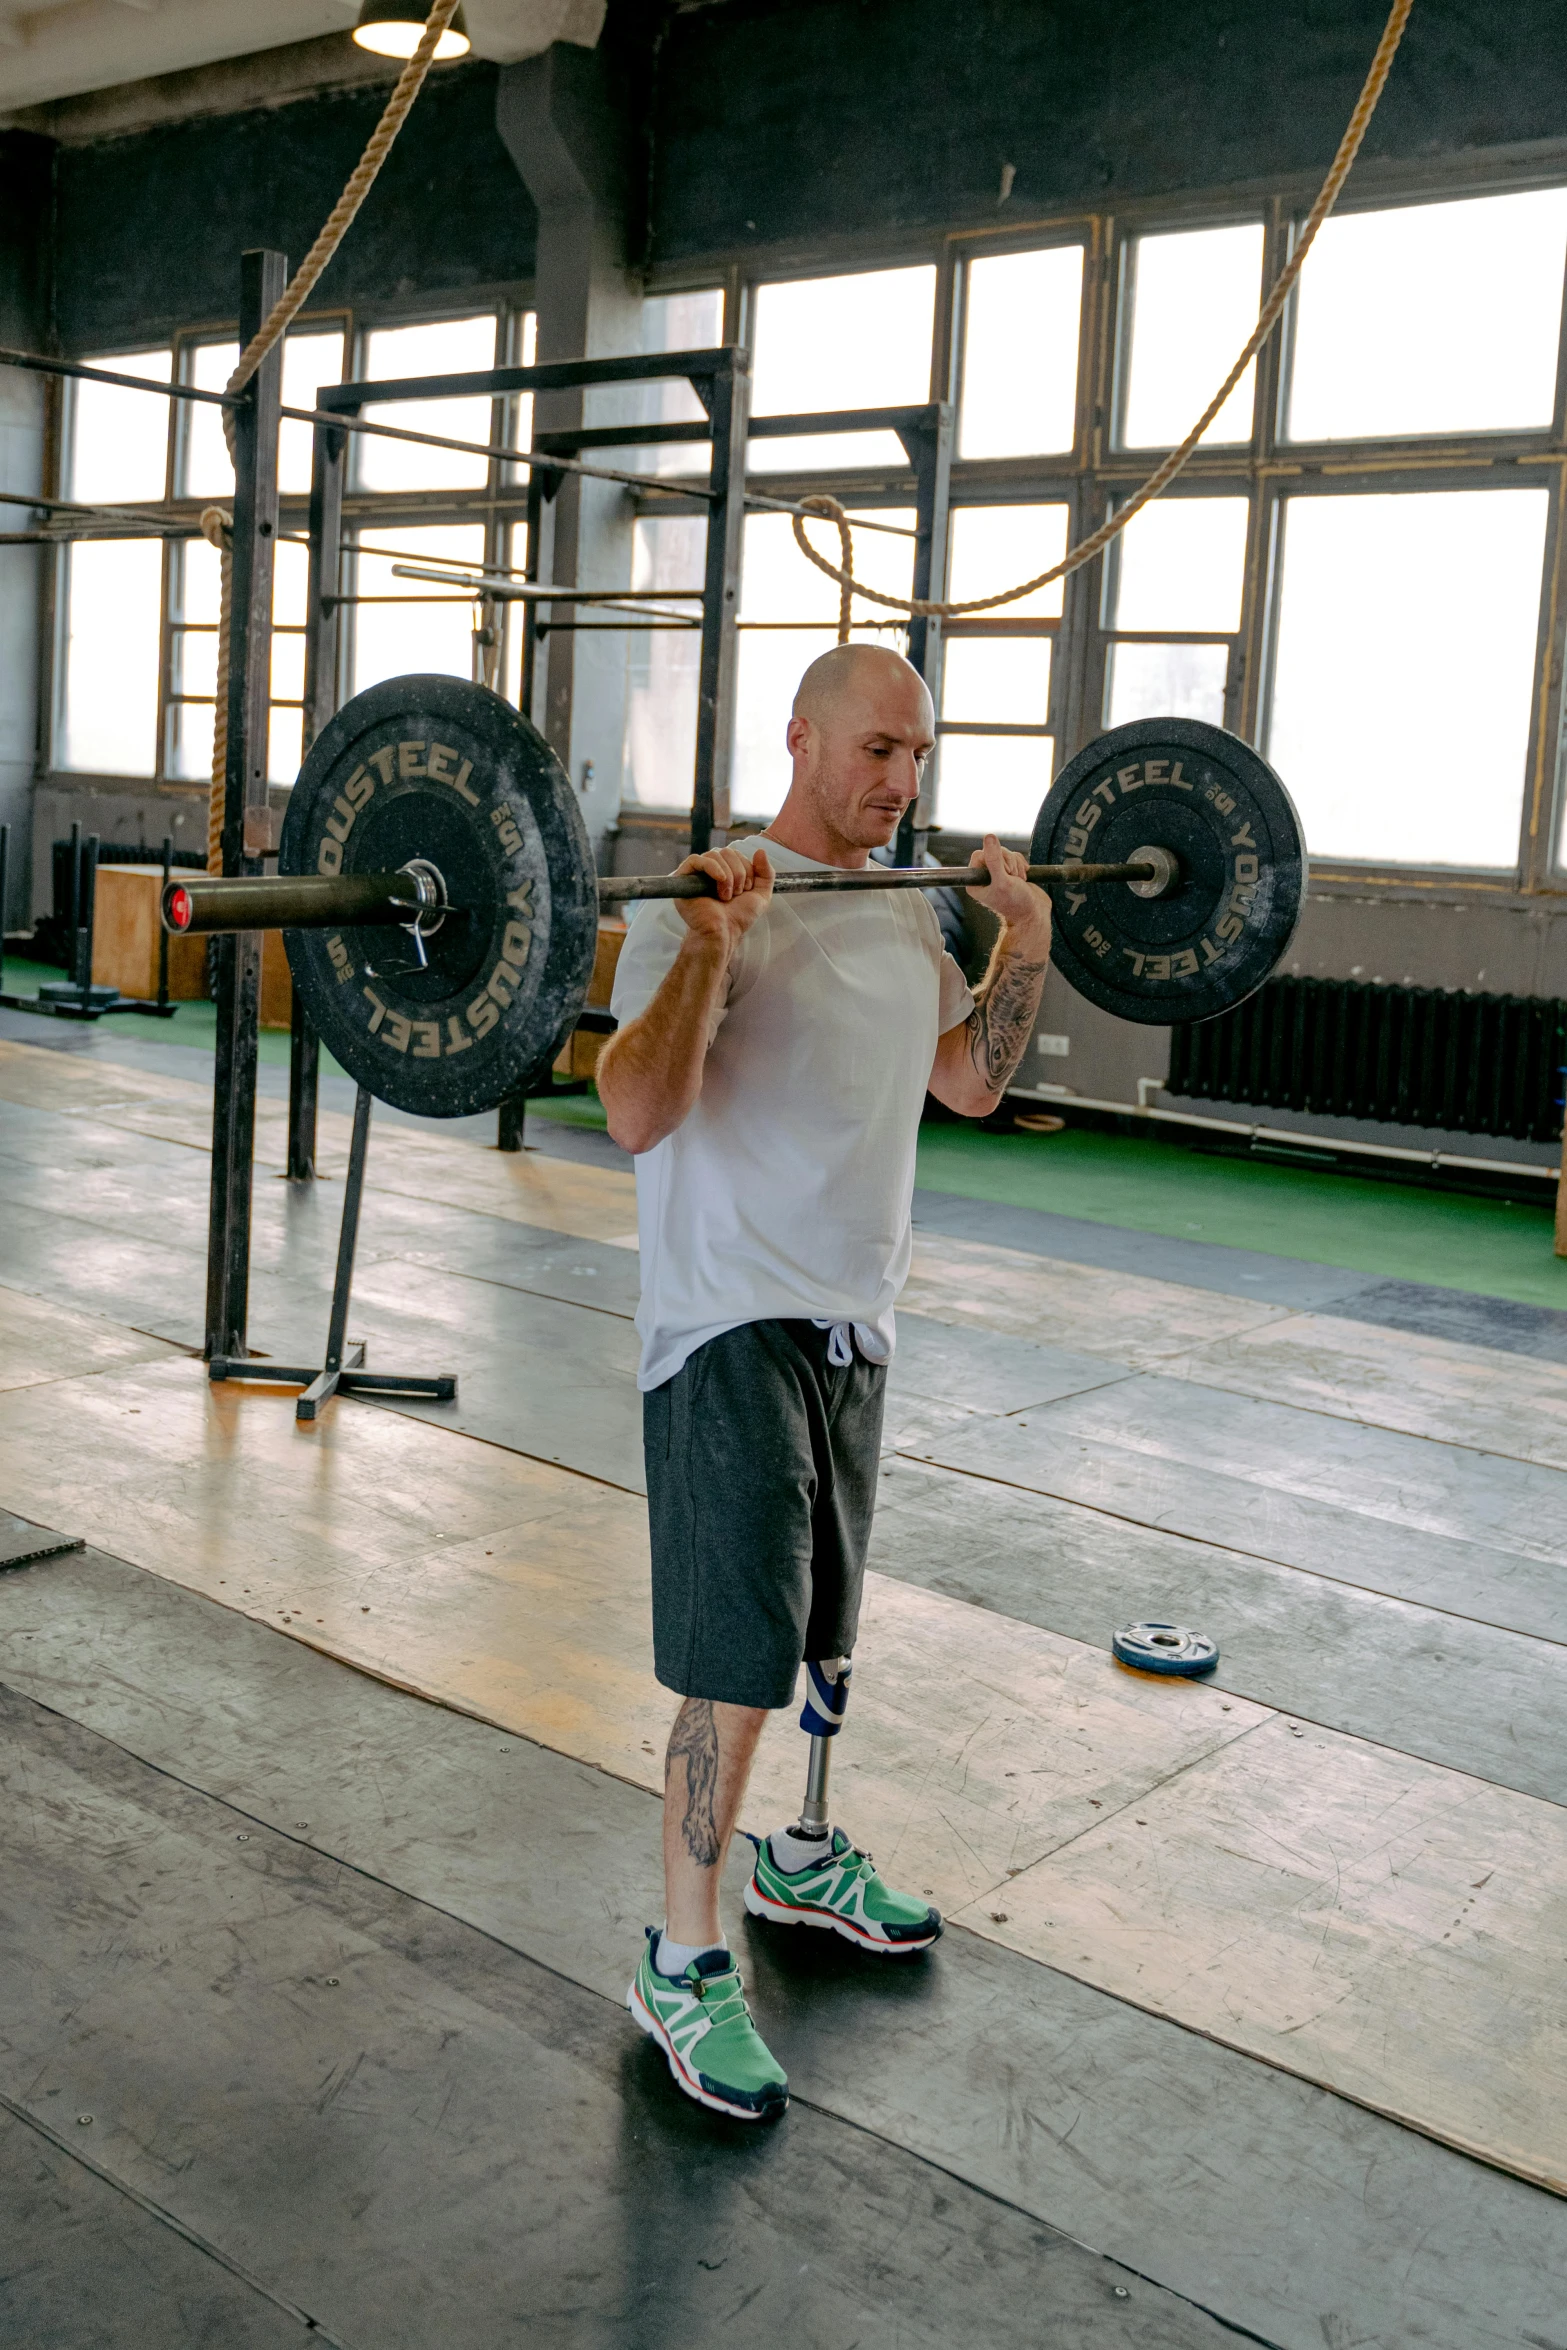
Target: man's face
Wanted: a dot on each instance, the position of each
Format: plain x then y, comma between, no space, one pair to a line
860,759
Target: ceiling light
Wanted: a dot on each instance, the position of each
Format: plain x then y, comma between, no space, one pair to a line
393,28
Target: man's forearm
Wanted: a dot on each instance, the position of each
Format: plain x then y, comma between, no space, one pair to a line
1005,1004
650,1074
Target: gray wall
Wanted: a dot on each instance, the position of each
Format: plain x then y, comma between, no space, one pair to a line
149,227
781,127
803,122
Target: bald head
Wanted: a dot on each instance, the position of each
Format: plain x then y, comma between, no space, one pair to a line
868,674
860,734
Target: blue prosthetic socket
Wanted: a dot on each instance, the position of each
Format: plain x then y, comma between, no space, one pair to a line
826,1699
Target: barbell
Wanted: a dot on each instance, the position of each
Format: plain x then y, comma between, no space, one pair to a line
439,904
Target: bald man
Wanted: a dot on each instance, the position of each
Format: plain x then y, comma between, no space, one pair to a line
769,1070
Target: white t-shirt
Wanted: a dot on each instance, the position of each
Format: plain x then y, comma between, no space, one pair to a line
786,1192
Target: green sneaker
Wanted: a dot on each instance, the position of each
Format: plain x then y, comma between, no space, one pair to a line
843,1893
701,2022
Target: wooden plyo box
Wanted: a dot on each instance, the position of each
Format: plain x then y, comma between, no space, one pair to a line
578,1056
125,947
125,937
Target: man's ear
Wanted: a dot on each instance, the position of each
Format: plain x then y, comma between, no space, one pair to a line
797,737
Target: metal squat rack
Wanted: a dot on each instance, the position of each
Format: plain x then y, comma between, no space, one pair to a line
257,414
721,381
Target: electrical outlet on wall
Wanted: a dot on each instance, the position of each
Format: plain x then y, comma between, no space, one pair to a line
1053,1047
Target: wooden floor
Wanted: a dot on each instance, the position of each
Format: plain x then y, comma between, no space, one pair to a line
1346,1857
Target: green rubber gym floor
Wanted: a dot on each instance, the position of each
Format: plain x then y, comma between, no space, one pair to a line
1397,1231
192,1024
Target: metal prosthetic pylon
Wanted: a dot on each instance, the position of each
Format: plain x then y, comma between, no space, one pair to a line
821,1717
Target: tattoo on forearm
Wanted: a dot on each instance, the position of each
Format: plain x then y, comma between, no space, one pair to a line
1000,1022
695,1738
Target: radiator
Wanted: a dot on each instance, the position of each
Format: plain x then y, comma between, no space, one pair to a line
1414,1056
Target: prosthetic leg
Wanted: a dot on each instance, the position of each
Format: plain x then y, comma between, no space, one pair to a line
812,1875
821,1717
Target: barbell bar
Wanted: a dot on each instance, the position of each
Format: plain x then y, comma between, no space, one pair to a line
440,908
412,895
303,901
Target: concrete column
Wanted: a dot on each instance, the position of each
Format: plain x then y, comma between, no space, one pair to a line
560,126
24,258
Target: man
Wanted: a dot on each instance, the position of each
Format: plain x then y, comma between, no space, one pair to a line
769,1070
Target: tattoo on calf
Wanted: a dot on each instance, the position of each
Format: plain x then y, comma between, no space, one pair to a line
695,1738
1000,1022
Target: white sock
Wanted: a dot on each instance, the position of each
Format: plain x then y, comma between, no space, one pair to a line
672,1958
793,1852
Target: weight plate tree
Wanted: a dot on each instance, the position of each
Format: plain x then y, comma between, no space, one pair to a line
453,1016
1208,942
439,904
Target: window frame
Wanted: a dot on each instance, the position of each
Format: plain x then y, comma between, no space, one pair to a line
1089,479
502,506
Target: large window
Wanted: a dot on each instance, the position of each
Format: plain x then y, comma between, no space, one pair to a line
1349,572
1400,709
669,552
1441,318
675,322
1189,302
109,720
401,625
840,342
1352,572
202,471
139,617
422,508
451,346
1173,594
1022,317
117,451
996,742
820,345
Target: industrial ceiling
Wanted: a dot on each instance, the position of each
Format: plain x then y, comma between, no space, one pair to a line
52,49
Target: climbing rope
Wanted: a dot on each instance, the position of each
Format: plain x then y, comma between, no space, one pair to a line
216,526
1165,472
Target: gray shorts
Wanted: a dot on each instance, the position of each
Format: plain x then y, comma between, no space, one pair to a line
761,1484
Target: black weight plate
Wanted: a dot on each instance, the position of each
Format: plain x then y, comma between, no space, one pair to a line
432,768
1178,784
1165,1648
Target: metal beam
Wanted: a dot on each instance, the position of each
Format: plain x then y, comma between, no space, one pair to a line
715,707
262,279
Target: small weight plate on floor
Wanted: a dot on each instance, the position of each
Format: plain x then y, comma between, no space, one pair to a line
435,769
1211,940
1164,1648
